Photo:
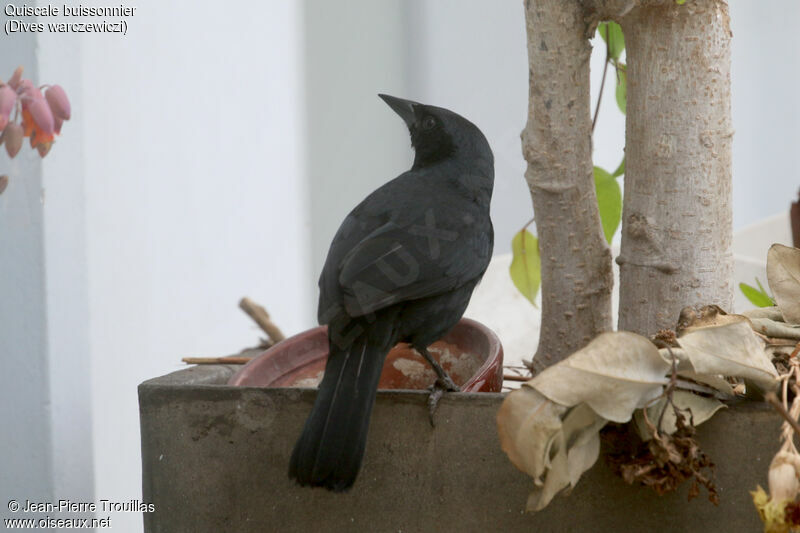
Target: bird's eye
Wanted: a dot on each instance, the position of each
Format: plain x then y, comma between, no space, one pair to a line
428,123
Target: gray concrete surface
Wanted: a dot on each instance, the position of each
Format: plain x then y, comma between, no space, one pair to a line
215,459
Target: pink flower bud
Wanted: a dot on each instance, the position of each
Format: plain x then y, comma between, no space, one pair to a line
3,183
15,78
28,92
12,136
42,117
58,101
7,100
44,148
57,122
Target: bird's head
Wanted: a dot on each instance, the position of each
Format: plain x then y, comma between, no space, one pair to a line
438,133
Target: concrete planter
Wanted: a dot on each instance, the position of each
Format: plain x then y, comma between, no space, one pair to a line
215,459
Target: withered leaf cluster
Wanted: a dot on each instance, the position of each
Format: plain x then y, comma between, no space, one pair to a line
662,463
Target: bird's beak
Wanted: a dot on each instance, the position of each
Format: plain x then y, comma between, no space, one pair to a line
404,108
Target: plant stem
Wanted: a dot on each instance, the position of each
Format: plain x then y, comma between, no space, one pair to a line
230,360
528,223
775,403
673,379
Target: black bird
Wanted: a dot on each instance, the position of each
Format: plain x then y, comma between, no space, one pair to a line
401,268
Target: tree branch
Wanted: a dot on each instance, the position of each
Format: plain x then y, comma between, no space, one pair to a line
261,317
556,143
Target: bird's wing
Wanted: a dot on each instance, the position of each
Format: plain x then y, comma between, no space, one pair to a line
398,263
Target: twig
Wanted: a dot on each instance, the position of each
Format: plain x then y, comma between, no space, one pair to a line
512,377
528,223
669,389
230,360
673,380
795,351
261,317
778,406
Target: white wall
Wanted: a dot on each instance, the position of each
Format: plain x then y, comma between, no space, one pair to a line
177,188
765,75
65,267
195,198
356,143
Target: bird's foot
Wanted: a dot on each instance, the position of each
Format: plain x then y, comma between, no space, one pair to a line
438,389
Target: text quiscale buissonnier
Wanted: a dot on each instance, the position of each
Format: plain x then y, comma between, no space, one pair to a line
50,10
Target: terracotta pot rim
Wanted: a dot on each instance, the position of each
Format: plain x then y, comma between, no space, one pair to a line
473,384
495,351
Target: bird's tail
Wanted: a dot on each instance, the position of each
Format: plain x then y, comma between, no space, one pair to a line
329,451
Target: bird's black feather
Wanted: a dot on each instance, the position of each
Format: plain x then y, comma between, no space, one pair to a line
401,267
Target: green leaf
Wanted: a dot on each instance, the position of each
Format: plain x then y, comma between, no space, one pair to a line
526,267
620,169
757,297
622,87
611,32
609,201
680,2
761,287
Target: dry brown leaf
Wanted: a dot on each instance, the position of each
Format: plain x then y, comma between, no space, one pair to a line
773,313
556,478
568,454
707,316
582,434
614,374
729,350
701,407
776,329
783,276
527,422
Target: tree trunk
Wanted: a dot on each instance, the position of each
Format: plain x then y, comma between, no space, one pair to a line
676,229
556,143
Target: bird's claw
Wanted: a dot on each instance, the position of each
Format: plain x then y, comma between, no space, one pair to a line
437,391
433,401
448,384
